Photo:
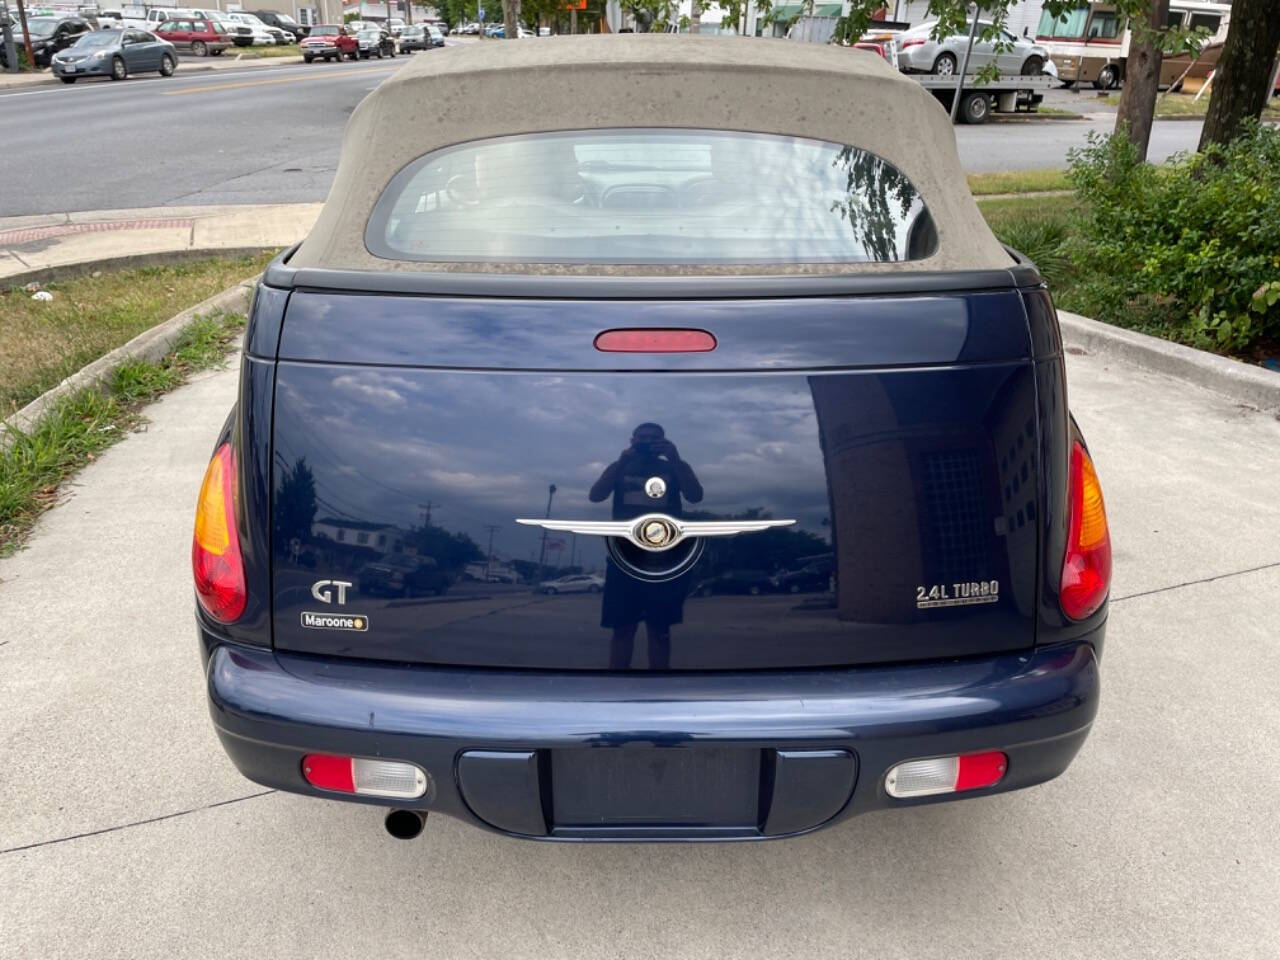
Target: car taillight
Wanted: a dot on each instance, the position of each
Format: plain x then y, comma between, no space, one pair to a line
1086,568
372,778
215,546
658,340
954,774
914,42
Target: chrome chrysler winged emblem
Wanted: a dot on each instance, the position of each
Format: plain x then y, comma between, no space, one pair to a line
657,531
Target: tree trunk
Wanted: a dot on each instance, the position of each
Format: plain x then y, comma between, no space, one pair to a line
1142,78
511,18
695,16
1243,79
26,35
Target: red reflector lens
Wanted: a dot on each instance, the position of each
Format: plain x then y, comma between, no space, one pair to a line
655,341
329,772
979,770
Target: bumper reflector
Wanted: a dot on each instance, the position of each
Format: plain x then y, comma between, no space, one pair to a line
370,778
924,778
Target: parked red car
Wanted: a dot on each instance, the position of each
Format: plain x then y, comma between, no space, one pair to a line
200,36
330,41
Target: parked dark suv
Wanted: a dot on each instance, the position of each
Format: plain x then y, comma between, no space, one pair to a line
725,343
283,21
48,36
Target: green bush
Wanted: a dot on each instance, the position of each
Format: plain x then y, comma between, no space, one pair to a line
1189,251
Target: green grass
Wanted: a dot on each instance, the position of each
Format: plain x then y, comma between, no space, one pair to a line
44,342
1018,181
252,53
83,424
1040,228
1186,105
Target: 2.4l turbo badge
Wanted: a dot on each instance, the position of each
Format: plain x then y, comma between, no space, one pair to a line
957,594
334,621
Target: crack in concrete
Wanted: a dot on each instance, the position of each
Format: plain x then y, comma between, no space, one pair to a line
1192,583
136,823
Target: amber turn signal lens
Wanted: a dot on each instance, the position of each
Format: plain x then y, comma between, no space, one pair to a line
215,547
1086,567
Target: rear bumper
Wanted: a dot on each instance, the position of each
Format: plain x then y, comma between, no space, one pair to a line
486,737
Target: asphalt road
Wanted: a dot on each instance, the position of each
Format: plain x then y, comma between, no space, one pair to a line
272,134
126,832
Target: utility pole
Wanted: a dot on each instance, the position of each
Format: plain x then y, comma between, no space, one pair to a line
488,557
973,31
426,513
6,37
542,554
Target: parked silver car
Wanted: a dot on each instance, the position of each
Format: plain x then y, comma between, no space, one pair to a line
918,52
574,583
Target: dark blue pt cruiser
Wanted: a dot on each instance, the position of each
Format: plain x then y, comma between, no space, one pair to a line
685,461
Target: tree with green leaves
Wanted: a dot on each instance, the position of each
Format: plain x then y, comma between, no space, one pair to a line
1152,37
1242,82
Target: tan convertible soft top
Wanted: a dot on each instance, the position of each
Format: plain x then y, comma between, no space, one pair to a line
494,89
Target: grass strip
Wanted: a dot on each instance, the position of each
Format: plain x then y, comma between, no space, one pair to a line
83,424
254,53
1018,181
1185,105
44,342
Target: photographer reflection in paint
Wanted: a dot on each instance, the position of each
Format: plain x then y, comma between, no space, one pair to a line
647,477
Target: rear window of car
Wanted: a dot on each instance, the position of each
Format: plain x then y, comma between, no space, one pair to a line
324,31
642,196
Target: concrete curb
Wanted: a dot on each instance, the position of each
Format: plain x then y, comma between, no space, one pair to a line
151,345
1035,117
1238,381
164,258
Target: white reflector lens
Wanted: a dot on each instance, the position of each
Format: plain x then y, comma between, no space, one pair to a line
921,778
387,778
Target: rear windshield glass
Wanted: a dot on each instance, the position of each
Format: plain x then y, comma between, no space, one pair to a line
651,196
324,31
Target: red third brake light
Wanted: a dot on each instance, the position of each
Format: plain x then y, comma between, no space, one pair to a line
655,341
1086,567
215,546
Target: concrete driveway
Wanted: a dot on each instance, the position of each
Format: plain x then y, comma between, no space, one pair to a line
126,833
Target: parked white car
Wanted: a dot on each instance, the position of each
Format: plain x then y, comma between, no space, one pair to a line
918,52
278,36
263,36
574,583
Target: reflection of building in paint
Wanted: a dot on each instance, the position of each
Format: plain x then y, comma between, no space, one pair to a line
927,493
376,536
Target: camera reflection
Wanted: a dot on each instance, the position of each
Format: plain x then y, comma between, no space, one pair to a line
648,476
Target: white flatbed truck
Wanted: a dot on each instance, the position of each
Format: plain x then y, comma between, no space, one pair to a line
980,98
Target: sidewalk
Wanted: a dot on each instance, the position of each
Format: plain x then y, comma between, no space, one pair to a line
228,61
61,239
142,840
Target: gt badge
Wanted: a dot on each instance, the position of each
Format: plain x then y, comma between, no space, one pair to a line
320,590
334,621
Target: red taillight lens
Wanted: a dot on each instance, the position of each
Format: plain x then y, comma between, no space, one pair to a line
329,772
215,546
1086,568
913,42
978,770
655,341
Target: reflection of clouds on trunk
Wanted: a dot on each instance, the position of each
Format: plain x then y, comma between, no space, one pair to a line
481,448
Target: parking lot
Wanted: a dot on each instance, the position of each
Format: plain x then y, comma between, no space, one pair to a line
127,833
